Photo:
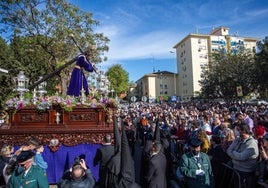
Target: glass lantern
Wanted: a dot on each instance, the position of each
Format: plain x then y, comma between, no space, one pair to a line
21,84
41,88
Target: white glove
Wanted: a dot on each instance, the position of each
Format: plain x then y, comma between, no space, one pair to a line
199,172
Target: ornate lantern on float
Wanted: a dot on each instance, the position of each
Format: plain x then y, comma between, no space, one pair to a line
21,84
41,88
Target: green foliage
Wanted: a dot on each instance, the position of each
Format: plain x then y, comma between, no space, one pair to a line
163,97
118,78
262,67
40,40
227,71
9,63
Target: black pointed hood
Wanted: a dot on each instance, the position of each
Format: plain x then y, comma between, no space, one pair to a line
127,178
114,163
157,133
117,137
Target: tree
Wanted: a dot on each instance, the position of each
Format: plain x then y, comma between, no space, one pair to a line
118,78
46,27
7,62
262,67
227,71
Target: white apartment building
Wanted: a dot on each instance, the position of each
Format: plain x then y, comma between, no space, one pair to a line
193,53
156,84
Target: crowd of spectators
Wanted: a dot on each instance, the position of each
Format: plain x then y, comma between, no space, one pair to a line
218,126
234,134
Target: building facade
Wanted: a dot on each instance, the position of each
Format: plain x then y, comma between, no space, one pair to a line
154,85
193,53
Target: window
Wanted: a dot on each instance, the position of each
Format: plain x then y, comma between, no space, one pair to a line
203,56
201,48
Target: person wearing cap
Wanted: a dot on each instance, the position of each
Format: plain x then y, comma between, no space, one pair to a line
244,153
27,174
79,176
195,166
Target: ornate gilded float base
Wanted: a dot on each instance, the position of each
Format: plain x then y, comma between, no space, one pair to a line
56,127
67,139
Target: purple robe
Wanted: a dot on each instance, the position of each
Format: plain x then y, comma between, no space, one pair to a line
78,78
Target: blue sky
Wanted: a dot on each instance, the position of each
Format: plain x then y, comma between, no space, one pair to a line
143,32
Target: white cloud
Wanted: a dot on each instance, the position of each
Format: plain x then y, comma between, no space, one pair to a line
158,43
135,33
257,13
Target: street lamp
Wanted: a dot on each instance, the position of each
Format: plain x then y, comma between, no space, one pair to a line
161,83
174,76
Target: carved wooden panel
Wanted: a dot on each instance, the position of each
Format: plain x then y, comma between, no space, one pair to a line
81,125
28,117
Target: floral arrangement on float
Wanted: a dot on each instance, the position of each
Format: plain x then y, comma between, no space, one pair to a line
41,102
67,103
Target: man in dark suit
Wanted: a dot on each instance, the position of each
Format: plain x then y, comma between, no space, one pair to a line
156,171
102,157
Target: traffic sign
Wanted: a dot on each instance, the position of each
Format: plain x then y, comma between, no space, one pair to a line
144,98
133,99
